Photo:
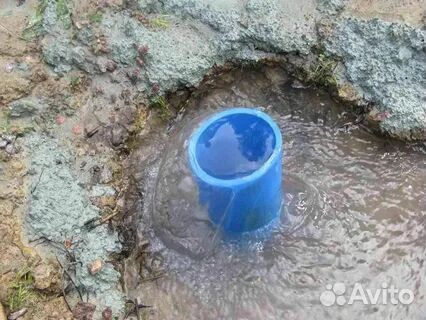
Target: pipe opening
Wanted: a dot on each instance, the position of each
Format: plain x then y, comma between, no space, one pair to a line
235,146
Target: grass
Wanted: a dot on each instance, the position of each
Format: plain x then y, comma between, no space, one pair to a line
21,290
34,27
160,104
96,17
322,72
160,22
140,120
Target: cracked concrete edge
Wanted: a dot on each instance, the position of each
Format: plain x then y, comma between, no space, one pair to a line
201,34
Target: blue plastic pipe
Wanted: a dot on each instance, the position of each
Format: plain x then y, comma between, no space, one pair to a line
235,157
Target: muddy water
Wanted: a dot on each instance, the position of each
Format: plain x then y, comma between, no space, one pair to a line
354,211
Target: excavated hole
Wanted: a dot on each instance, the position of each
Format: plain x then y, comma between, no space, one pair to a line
352,212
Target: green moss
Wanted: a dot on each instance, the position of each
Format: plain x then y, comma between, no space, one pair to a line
77,82
21,290
160,22
96,17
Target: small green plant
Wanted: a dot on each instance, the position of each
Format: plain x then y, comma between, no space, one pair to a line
159,103
96,17
76,83
160,22
21,290
322,72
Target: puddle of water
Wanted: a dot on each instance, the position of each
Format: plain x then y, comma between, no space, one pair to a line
354,211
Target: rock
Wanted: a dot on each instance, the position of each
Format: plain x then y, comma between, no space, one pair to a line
106,175
105,64
118,135
82,59
101,63
17,314
26,107
8,67
91,126
95,266
45,277
83,311
108,201
8,138
10,149
102,191
107,314
3,144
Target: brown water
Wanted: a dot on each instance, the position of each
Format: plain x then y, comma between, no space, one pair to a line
354,212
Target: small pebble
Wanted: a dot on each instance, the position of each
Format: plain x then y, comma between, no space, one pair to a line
76,130
155,88
10,149
95,266
8,67
8,138
17,314
60,119
107,314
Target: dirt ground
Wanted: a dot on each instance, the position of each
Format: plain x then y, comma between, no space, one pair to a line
46,302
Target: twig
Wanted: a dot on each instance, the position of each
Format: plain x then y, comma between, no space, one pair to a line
69,276
63,292
52,242
154,277
138,316
11,33
8,31
38,181
109,217
96,222
135,308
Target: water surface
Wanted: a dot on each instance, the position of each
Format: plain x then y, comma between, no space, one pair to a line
354,212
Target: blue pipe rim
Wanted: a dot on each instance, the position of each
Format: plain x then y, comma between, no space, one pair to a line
204,176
